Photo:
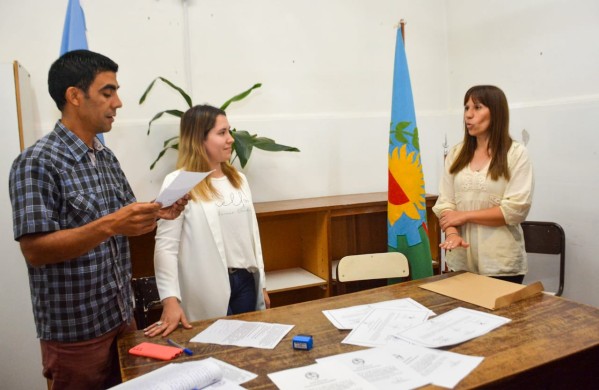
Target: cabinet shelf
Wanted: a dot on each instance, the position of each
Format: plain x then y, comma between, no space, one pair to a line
308,236
291,279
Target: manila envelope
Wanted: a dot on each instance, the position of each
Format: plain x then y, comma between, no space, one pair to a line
483,290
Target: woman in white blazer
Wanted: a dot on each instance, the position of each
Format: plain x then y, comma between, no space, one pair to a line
208,262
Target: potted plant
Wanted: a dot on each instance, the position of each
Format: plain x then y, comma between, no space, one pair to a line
244,141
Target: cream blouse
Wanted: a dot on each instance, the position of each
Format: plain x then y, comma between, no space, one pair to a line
494,251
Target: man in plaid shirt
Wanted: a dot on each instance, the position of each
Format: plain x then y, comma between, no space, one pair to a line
73,209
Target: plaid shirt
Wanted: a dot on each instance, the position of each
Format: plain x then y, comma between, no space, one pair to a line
60,183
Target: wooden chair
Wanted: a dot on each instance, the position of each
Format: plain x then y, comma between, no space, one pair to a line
547,238
147,301
371,267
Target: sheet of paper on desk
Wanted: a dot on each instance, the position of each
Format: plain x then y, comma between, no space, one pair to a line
441,368
381,325
454,327
349,317
182,184
197,374
379,368
231,373
243,334
320,376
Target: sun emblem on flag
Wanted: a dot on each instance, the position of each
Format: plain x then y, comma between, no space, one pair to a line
406,185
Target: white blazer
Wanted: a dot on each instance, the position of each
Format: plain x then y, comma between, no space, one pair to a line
190,262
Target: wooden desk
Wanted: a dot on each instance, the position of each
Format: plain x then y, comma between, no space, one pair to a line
551,342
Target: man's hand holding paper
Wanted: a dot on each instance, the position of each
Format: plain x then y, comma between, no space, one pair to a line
174,197
174,210
183,183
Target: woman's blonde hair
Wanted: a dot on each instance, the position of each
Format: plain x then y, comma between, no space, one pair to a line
499,134
196,123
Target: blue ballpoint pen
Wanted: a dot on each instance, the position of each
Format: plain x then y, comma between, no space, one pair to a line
174,344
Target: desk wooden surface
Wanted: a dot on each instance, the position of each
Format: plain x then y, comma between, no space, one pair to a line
551,342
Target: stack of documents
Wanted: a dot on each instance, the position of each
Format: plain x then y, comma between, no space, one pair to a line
350,317
401,366
384,326
402,358
384,323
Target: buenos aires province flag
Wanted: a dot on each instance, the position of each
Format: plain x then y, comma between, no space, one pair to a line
406,209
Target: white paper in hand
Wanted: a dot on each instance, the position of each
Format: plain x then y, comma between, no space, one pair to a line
182,184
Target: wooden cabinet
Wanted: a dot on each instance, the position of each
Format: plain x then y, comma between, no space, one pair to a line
302,239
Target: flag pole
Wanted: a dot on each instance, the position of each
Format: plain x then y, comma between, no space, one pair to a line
187,49
402,25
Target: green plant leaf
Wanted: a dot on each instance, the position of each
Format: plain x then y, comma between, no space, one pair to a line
147,91
174,146
175,138
239,97
271,146
243,145
177,113
244,141
170,84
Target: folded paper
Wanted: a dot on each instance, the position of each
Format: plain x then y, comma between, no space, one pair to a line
482,290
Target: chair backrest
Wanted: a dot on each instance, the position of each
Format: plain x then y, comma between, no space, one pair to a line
546,238
373,266
147,301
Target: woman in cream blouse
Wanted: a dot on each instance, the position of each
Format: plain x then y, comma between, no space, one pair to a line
486,191
208,262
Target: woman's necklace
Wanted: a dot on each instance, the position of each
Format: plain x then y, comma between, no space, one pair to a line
480,160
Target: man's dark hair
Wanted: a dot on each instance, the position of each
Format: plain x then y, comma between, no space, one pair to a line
77,68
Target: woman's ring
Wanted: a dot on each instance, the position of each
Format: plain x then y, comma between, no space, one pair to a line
158,323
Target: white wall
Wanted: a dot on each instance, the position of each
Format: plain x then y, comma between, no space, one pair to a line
326,69
326,78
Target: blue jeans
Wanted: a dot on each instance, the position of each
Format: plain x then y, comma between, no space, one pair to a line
243,292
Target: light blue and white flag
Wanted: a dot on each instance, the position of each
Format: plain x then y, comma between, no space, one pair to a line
74,33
